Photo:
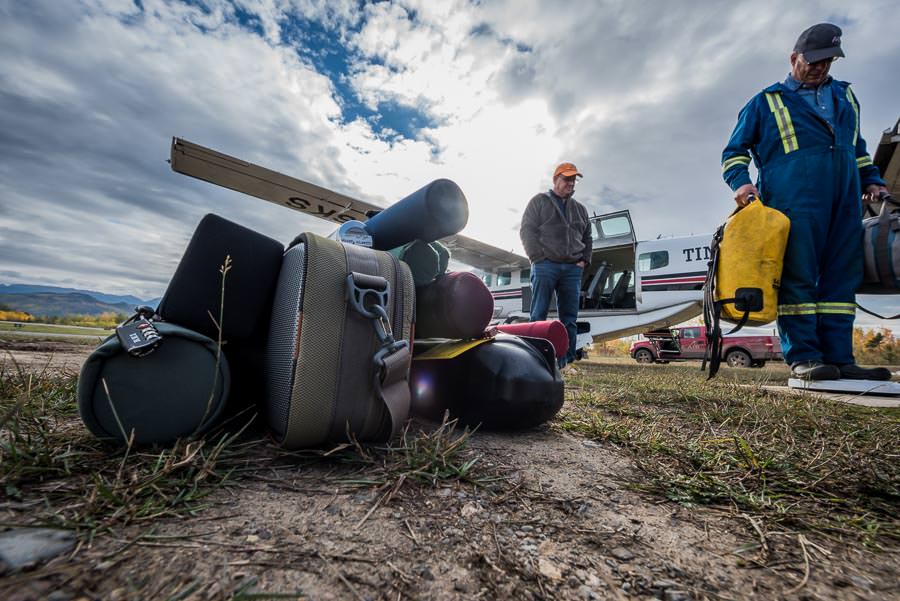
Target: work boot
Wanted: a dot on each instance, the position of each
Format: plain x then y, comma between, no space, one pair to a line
815,370
852,371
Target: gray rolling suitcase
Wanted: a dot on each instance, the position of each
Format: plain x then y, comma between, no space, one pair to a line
338,356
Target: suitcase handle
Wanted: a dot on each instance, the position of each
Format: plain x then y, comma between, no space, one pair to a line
884,198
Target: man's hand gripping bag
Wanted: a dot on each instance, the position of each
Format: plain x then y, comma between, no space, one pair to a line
154,379
338,354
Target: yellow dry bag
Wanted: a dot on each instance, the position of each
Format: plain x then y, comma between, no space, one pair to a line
747,253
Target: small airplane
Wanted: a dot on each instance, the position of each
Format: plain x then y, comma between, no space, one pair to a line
630,287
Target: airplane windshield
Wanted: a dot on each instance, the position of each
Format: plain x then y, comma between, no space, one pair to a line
612,227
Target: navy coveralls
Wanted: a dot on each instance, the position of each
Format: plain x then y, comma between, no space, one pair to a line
813,171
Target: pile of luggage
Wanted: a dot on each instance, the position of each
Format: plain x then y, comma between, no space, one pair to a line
331,339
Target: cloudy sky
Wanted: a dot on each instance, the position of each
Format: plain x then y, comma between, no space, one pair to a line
374,101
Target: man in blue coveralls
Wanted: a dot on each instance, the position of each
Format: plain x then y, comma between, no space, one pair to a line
803,136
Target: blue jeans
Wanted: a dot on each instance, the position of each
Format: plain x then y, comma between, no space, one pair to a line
548,277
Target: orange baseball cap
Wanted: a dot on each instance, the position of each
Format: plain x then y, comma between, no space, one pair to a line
567,170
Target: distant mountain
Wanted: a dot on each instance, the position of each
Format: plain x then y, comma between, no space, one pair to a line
111,299
53,304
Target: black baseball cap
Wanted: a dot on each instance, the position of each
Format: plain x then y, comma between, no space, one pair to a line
819,42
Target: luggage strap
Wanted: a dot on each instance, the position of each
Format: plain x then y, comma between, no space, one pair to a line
864,310
712,310
369,295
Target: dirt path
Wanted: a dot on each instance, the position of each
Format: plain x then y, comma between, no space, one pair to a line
55,357
566,528
563,524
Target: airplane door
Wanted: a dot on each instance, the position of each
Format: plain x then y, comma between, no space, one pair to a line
612,230
611,282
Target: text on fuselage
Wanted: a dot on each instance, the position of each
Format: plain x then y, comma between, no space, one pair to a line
698,253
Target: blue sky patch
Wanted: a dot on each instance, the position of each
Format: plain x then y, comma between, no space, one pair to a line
324,49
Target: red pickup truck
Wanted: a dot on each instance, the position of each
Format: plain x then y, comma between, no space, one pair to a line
689,343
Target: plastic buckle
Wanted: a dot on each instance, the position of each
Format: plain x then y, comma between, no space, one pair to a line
386,351
372,288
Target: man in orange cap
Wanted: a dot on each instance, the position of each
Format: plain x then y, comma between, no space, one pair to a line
556,234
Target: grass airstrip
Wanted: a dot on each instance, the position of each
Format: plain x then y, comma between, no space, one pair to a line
28,331
781,461
777,463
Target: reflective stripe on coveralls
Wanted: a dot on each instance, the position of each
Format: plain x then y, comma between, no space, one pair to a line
855,106
836,308
783,120
798,309
814,308
738,160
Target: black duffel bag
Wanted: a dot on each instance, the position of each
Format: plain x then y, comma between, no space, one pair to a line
154,379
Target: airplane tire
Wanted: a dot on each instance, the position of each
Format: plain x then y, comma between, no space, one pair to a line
738,358
642,355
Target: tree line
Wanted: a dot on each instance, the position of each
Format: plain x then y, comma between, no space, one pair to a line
105,320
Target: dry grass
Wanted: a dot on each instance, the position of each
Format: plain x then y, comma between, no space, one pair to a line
784,462
50,463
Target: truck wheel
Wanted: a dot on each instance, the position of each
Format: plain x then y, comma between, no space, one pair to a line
738,358
642,355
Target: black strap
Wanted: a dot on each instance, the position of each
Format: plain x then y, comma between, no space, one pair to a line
392,357
712,311
864,310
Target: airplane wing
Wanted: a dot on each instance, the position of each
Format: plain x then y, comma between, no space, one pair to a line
230,172
483,256
221,169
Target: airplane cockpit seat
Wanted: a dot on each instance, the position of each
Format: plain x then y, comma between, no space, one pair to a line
618,292
591,297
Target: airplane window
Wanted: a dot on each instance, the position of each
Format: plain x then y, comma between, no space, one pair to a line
653,260
614,279
504,278
488,280
615,226
524,276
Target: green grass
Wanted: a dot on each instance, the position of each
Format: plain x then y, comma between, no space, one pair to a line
786,461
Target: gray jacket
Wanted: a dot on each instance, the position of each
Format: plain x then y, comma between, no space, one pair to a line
548,234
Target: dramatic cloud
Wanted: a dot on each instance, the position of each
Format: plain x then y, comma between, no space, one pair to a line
374,101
